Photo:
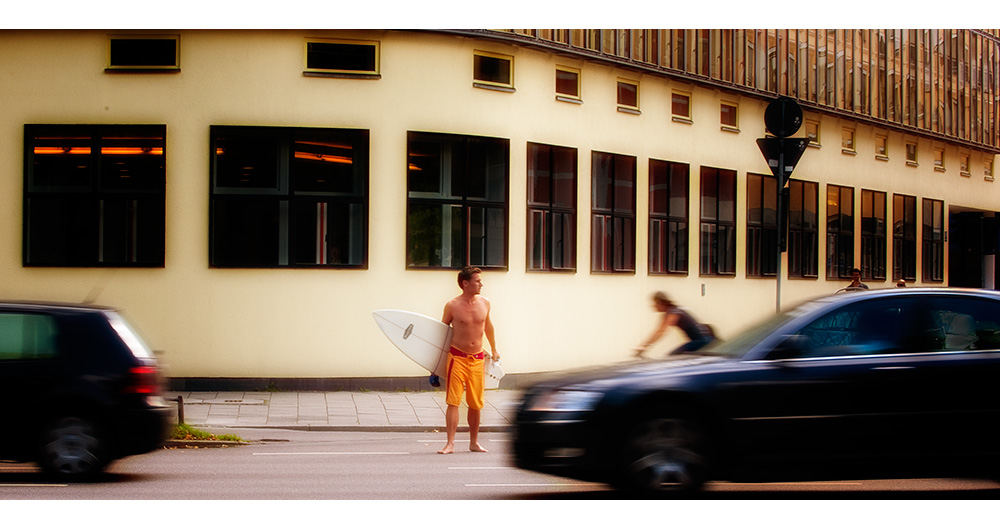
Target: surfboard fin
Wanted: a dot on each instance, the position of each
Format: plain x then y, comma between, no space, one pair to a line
435,380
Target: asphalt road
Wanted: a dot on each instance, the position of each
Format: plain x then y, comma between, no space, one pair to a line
298,465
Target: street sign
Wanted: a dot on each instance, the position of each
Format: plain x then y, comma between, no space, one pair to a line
783,117
782,154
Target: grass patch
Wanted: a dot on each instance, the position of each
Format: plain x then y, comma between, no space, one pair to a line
184,431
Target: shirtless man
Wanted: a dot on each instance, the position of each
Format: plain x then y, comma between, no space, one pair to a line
469,316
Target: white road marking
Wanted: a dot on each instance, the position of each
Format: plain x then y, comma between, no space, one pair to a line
560,485
497,440
33,485
336,453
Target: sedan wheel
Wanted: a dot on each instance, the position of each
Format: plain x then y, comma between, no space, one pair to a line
664,455
71,447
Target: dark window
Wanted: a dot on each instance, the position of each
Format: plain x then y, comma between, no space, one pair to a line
349,57
94,195
493,70
551,208
628,95
613,213
143,52
873,240
289,197
680,106
839,231
762,225
457,201
869,327
718,222
803,229
668,217
568,83
728,116
933,238
904,237
958,323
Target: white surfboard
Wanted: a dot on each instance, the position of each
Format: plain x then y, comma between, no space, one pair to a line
426,341
423,339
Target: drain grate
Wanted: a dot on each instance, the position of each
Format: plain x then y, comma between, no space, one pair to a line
224,402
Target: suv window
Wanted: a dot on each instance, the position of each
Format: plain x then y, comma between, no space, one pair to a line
26,336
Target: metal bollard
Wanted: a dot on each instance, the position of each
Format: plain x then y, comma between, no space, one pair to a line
180,408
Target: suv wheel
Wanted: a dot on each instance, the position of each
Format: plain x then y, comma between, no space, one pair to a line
72,448
665,454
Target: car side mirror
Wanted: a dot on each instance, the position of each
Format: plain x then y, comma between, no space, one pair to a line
790,347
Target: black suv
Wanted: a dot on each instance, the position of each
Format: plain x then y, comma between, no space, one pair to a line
78,388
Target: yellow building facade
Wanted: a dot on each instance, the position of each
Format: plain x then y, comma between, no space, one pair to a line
249,197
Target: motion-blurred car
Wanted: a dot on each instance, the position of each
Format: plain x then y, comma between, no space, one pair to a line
875,384
78,388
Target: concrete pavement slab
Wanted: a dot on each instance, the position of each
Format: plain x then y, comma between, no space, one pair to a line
383,411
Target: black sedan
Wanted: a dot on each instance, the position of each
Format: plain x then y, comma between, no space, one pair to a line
890,383
79,388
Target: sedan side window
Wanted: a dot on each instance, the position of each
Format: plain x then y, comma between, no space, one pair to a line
964,323
868,327
26,336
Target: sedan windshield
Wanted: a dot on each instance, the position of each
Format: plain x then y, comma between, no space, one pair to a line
742,342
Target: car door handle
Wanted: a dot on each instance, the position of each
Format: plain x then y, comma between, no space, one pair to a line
893,368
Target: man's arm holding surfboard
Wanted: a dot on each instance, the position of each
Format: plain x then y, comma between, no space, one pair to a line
490,336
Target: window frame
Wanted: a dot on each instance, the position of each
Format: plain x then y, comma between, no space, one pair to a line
615,252
734,112
873,235
681,117
904,237
577,96
882,147
939,159
812,130
289,202
848,141
626,105
932,237
912,153
374,73
803,258
463,201
762,228
839,238
669,227
549,210
717,253
478,82
138,68
140,206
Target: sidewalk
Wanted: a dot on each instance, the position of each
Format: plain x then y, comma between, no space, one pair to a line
339,411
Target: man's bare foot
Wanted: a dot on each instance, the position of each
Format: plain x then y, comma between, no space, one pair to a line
448,449
476,448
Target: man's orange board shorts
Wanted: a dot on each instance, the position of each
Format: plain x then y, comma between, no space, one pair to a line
465,372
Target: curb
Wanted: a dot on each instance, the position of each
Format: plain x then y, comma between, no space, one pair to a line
200,444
